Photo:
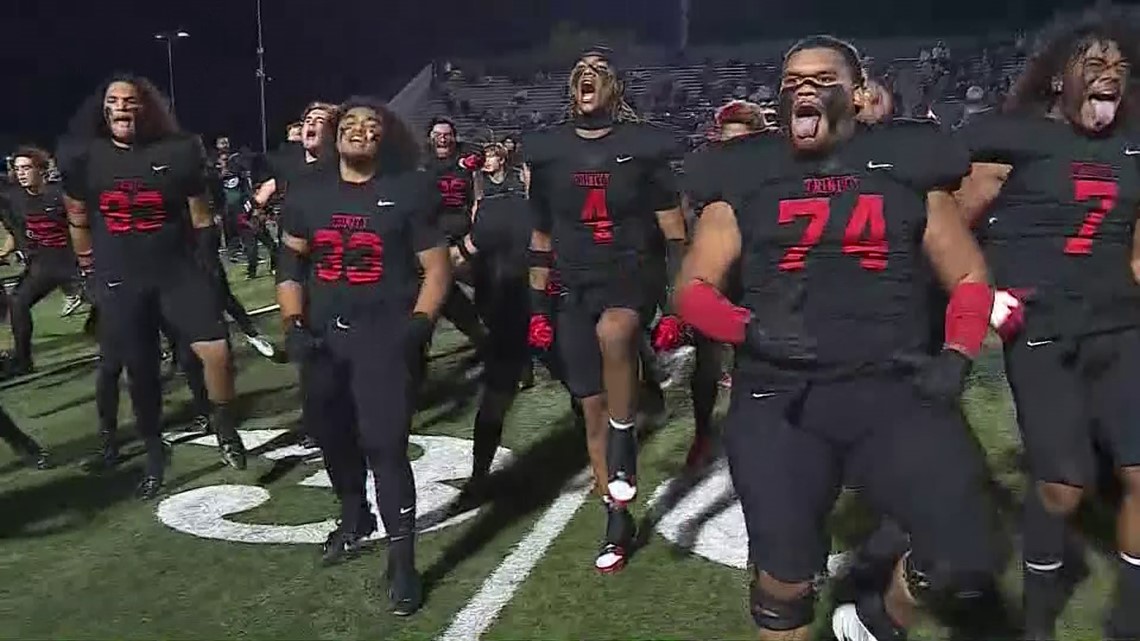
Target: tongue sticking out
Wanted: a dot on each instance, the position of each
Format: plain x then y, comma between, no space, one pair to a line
1104,112
805,126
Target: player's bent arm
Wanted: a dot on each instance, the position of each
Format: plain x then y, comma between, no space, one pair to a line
291,268
541,260
979,188
960,266
697,297
264,192
1136,254
436,281
79,229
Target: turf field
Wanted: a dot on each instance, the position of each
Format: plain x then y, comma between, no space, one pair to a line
228,554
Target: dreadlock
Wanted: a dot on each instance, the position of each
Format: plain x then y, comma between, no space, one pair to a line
399,149
155,120
1069,36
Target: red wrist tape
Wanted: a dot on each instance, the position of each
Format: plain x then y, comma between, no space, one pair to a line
705,308
968,317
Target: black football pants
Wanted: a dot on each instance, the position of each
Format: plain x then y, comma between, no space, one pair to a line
252,236
503,304
231,304
42,276
359,385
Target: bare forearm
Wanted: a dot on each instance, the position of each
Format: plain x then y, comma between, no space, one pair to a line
433,291
291,299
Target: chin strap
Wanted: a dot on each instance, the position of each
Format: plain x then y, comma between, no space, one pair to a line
594,121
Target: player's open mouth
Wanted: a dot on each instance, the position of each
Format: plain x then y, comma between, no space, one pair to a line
805,121
1104,105
587,90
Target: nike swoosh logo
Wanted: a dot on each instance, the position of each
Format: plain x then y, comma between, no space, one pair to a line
384,203
1037,343
405,510
759,395
341,324
993,220
114,284
624,158
1131,152
159,168
879,165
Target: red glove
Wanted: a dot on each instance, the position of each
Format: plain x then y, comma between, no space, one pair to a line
540,333
669,334
471,162
1008,314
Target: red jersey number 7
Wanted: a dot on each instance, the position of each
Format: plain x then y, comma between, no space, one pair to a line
1103,194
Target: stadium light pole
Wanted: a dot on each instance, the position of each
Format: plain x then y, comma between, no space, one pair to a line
261,80
169,37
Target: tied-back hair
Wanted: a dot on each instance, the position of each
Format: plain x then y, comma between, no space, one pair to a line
850,54
399,150
153,122
1068,36
40,158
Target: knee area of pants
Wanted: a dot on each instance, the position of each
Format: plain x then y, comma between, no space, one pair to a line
941,586
782,614
1058,499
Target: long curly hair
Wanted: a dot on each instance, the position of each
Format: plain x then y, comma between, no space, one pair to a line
399,148
155,120
1068,36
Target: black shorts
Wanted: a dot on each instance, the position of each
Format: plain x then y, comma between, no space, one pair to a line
576,335
790,452
185,300
1065,401
359,382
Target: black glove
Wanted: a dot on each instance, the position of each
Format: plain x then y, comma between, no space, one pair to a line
420,328
782,347
941,378
300,343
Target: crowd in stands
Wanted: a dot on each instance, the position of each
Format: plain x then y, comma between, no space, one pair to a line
950,83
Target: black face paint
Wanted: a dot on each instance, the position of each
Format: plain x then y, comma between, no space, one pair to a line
106,114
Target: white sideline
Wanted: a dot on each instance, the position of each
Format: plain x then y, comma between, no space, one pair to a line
496,592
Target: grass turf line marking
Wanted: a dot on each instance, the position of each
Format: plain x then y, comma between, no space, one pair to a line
496,592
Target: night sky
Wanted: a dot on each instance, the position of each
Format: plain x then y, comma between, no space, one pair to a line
56,51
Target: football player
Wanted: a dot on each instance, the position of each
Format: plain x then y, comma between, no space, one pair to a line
137,204
598,182
29,451
1054,192
37,225
358,320
832,227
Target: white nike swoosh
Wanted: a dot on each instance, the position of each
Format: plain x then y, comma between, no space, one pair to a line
341,324
384,203
1037,343
114,284
993,220
158,168
405,510
763,394
878,165
624,158
1131,152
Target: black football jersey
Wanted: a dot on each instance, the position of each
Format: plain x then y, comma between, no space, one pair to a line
597,198
502,227
456,196
137,202
1063,222
38,222
363,240
832,246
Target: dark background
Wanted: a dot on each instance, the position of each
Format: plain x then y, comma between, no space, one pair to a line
54,52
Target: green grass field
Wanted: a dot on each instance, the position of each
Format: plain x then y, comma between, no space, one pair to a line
228,554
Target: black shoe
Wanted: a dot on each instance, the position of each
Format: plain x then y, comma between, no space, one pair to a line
527,380
201,424
15,368
106,459
405,588
621,460
621,530
149,488
37,458
309,442
233,453
347,541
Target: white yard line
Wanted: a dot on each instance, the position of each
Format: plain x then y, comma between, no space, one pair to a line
496,592
264,310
